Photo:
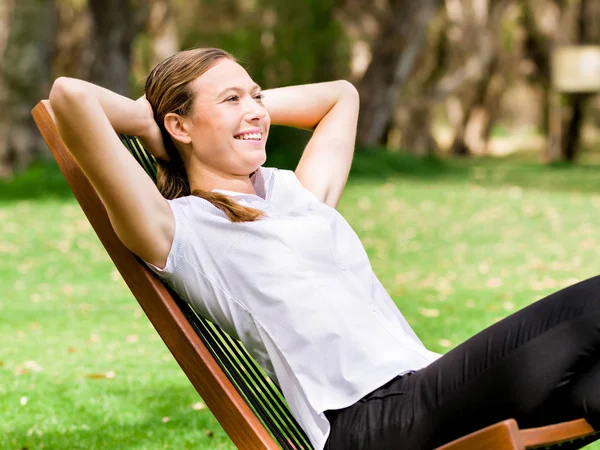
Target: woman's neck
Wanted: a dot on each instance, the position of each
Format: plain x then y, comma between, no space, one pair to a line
205,179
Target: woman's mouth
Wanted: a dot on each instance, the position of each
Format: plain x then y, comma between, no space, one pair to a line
249,137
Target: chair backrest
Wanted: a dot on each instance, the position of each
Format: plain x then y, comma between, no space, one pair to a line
247,404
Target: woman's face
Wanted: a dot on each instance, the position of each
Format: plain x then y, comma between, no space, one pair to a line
229,124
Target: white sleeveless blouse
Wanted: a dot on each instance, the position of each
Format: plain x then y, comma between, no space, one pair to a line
297,288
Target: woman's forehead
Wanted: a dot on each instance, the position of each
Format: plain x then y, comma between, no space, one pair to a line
223,75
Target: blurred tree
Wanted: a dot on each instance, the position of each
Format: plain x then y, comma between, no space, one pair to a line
552,23
587,33
472,52
73,48
280,42
158,40
115,24
402,28
490,36
26,46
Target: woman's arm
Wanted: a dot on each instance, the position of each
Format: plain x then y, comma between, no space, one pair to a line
87,117
331,109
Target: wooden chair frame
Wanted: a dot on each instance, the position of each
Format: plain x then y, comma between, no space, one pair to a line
228,406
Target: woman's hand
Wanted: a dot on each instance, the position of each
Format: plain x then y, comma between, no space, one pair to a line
150,136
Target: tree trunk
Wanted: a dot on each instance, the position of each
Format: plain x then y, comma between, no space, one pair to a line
162,31
572,135
393,58
26,39
484,38
578,101
115,24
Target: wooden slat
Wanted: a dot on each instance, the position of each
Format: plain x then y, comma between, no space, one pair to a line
500,436
221,397
555,434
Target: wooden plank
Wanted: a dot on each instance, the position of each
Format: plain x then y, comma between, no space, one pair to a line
221,397
500,436
555,434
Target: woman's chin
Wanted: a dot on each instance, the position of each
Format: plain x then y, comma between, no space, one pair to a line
258,159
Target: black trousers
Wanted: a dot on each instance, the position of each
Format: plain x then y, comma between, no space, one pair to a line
541,365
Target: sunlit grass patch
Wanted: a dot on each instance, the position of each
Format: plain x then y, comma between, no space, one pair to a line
458,244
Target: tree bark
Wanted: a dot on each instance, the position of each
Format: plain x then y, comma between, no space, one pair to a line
484,38
115,24
162,31
27,31
393,58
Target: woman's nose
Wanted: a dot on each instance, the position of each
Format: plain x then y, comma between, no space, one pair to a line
255,109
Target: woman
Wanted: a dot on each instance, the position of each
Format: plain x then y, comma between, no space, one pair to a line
263,253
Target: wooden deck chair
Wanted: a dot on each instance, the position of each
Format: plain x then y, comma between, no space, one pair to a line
249,407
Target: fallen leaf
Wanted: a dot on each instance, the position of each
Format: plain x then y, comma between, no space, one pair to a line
33,366
209,433
71,349
132,338
364,203
166,419
508,306
494,282
429,312
100,375
198,406
67,289
445,343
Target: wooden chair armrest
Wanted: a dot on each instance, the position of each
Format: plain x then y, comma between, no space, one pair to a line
557,433
500,436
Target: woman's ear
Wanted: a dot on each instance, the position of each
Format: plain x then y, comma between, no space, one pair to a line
177,127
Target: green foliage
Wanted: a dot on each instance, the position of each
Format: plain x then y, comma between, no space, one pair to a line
279,42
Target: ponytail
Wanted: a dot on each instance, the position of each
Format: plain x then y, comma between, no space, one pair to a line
172,182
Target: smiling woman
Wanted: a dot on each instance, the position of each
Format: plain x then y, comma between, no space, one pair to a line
264,254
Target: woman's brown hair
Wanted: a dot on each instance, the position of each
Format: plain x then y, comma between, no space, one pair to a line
168,90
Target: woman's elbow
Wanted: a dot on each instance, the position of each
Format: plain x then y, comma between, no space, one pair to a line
349,91
63,92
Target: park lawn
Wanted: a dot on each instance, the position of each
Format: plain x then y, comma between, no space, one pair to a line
458,245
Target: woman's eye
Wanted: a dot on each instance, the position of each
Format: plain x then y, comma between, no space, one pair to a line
259,97
233,98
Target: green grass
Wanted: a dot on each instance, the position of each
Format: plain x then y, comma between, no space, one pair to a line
458,244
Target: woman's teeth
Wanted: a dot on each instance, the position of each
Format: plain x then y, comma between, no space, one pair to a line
250,136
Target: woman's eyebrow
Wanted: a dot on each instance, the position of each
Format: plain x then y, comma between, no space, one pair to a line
254,88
